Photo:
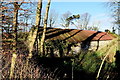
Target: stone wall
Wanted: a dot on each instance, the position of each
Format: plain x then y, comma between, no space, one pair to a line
94,45
99,44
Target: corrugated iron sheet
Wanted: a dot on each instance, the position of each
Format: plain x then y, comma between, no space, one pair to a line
74,35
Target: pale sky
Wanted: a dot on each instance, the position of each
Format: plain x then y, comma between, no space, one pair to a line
98,11
72,0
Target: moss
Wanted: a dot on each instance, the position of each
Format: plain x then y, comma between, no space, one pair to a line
90,62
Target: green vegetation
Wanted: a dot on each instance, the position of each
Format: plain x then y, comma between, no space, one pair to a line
51,53
86,61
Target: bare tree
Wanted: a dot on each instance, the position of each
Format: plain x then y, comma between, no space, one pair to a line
6,16
86,20
33,33
44,28
95,26
115,8
15,25
23,20
14,33
70,19
64,22
52,19
42,18
82,23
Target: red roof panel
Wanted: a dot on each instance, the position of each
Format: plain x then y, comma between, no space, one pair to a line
74,35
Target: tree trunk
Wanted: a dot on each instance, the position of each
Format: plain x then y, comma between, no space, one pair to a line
38,14
109,49
15,24
98,74
44,29
33,33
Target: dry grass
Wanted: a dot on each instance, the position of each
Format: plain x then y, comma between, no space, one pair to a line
23,71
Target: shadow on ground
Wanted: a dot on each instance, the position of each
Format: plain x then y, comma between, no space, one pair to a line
62,70
117,62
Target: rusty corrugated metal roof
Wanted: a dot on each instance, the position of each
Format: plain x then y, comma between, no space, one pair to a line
74,35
